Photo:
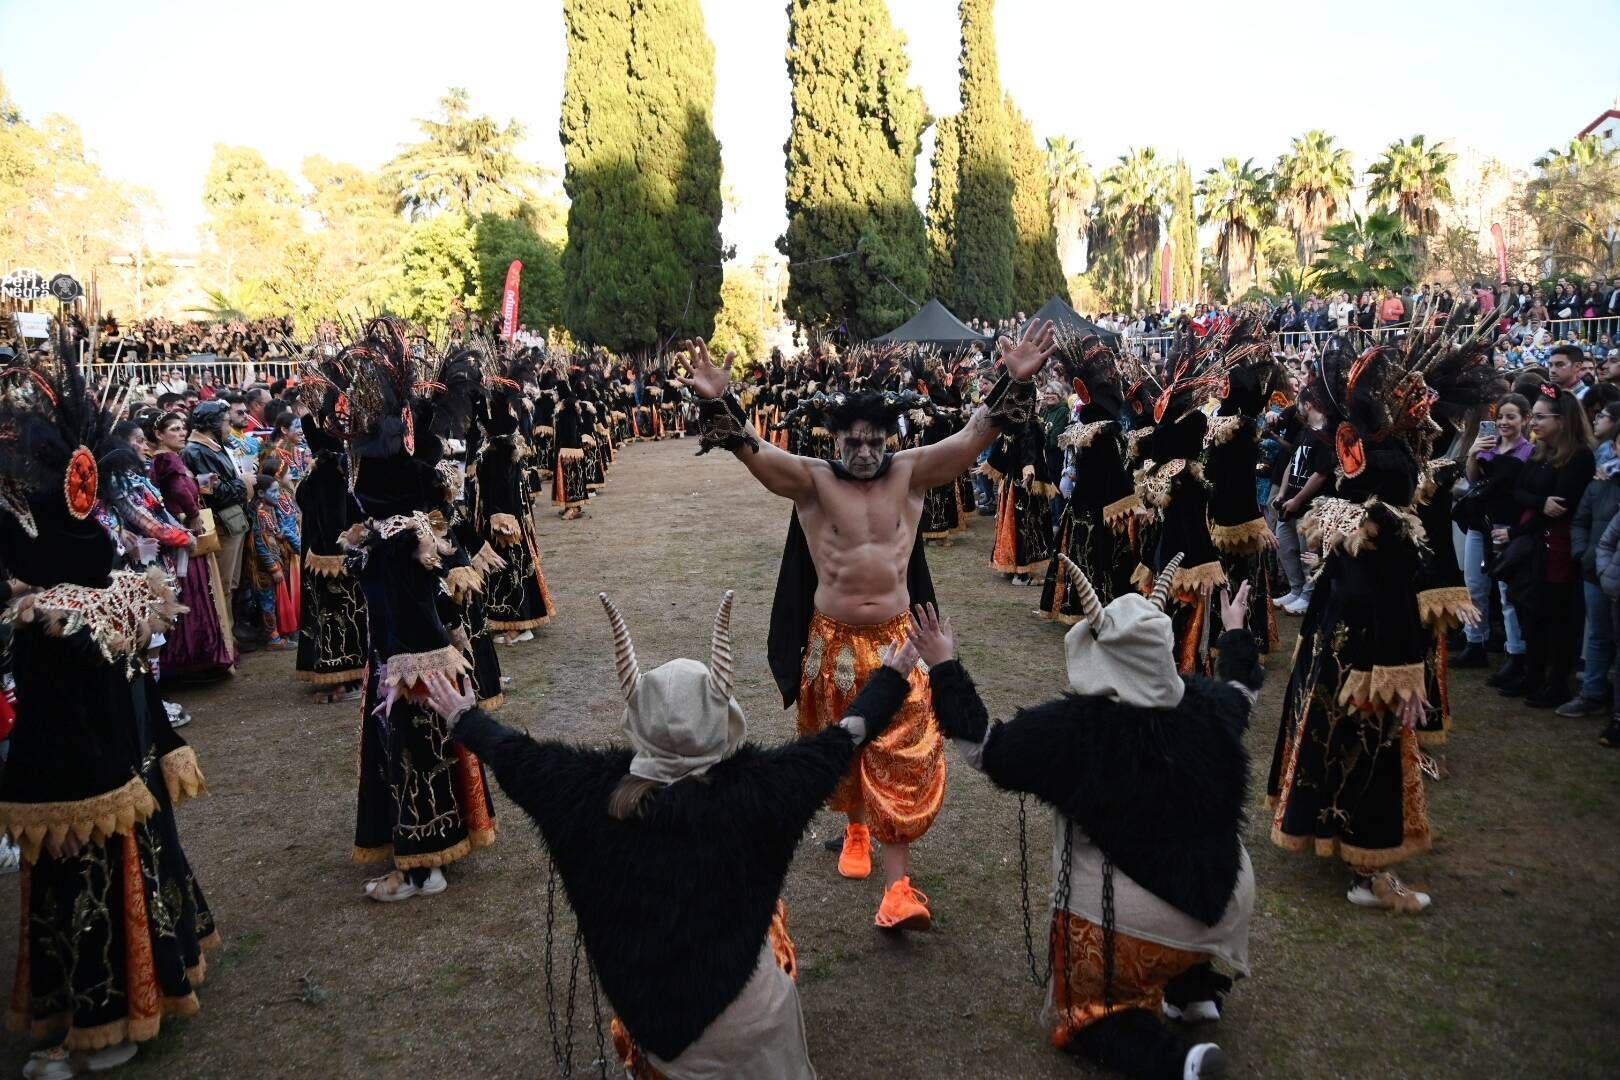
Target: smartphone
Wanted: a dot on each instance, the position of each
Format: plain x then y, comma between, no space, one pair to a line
1487,429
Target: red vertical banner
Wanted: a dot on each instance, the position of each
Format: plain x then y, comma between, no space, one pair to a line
509,300
1164,275
1501,252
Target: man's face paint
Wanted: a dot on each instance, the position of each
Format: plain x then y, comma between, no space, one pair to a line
861,449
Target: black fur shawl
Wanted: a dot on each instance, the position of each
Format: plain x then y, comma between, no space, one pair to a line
674,906
1161,792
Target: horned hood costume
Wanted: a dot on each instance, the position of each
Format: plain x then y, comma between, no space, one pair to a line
676,892
1145,771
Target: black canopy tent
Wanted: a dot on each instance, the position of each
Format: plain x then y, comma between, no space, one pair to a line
933,325
1065,317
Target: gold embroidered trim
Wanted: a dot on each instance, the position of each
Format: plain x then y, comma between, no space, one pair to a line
487,561
330,678
120,618
1243,539
408,669
474,841
1445,608
1428,481
1221,429
463,581
1044,489
1153,482
183,776
323,565
1382,688
520,624
505,527
1192,579
1081,436
90,820
570,454
1117,514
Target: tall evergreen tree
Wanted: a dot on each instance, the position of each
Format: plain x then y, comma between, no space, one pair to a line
947,164
985,231
1183,236
851,167
642,263
1037,271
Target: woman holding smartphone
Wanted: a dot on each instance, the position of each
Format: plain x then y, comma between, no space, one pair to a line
1494,461
1547,491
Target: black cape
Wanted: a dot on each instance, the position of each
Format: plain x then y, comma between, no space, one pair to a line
795,600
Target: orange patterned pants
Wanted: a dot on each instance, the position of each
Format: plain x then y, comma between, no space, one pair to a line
1142,969
900,776
636,1065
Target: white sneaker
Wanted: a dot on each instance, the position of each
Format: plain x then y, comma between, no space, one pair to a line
1194,1012
1386,891
1298,606
1283,601
527,635
10,856
1204,1062
59,1063
434,885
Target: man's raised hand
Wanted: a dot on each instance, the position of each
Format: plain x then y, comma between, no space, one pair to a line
1031,352
708,378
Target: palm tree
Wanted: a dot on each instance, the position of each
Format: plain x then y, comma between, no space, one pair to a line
1073,190
1237,200
1313,187
1411,179
1575,202
1133,193
1375,252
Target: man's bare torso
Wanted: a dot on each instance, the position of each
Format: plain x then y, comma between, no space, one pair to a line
860,535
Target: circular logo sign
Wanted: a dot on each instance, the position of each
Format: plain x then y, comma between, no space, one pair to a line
64,288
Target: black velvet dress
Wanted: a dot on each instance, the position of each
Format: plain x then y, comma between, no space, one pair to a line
113,936
1095,529
332,646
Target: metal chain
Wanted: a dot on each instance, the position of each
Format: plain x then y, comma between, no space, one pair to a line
1060,897
551,995
1108,932
562,1034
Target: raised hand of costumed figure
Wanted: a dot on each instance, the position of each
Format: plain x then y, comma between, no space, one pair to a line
1031,352
709,379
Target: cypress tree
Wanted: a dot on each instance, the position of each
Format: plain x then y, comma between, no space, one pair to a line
851,166
642,173
1037,270
985,231
947,163
1183,237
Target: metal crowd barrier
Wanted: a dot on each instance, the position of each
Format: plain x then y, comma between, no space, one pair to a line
1560,329
234,374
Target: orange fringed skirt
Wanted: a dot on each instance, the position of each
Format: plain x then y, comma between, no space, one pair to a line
636,1065
899,777
1142,969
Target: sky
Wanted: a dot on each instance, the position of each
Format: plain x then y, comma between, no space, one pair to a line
155,85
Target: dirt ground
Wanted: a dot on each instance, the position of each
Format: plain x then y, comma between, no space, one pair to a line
1511,974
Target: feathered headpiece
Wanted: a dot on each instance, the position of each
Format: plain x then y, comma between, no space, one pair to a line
49,424
1094,369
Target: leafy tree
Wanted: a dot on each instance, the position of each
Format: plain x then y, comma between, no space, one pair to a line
253,214
1375,252
1412,179
985,230
1037,273
360,233
1183,236
851,167
497,241
463,163
1132,196
1074,189
439,275
1575,202
643,259
947,164
1313,188
58,213
738,326
1237,200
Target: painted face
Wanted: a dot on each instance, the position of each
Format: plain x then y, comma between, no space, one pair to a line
861,449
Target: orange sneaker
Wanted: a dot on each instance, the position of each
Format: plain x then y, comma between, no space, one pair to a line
855,861
904,908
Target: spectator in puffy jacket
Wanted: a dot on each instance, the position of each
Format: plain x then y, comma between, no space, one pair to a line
1595,511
